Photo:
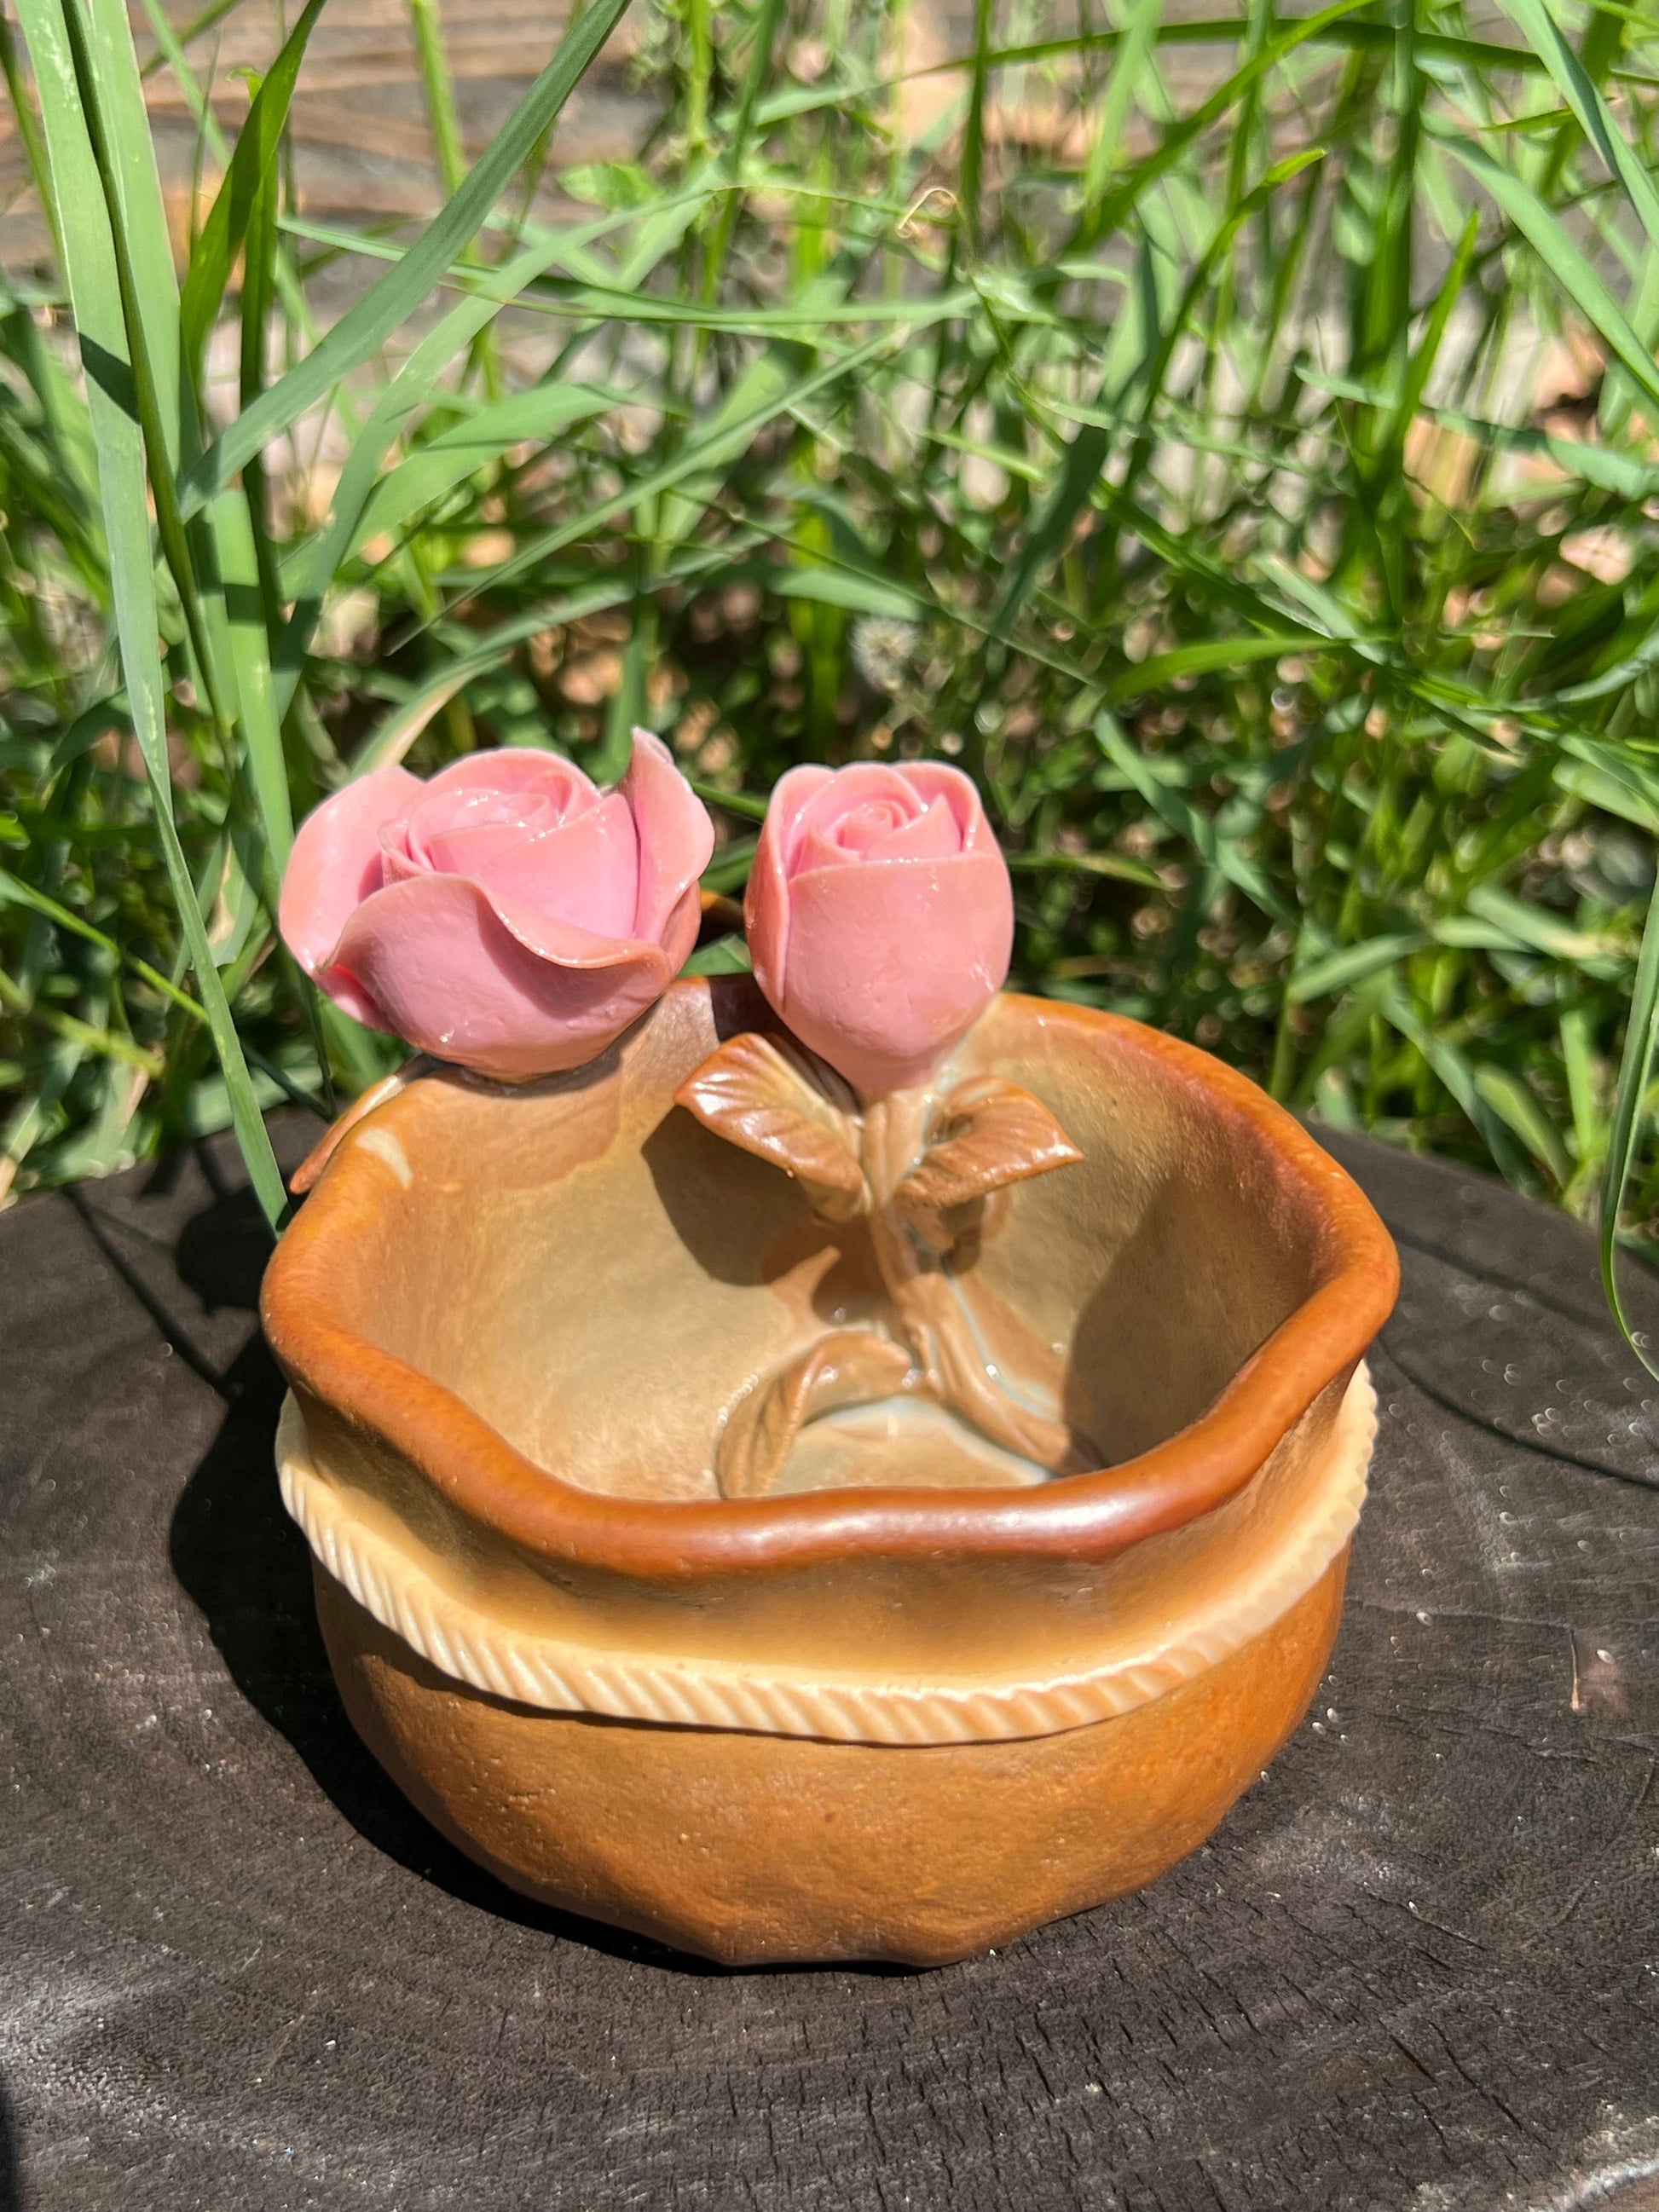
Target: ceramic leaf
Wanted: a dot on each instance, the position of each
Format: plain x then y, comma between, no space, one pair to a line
848,1367
774,1101
995,1133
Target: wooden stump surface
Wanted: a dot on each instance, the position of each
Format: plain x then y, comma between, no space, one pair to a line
1416,1969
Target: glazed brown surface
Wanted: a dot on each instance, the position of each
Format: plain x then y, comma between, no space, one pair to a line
873,1652
749,1848
523,1299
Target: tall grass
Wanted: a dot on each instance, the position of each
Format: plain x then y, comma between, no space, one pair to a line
1230,440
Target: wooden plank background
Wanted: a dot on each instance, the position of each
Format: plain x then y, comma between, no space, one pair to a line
362,146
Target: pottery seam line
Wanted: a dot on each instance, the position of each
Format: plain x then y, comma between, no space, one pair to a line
564,1676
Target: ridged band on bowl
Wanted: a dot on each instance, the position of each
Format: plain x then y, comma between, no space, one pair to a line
561,1675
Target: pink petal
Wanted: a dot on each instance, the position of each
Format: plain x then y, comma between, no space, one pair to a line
680,932
585,872
829,841
766,902
511,786
891,963
877,831
933,835
441,814
566,944
933,780
348,994
866,783
456,979
336,863
519,768
675,835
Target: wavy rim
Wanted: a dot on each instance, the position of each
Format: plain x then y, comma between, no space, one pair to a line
1082,1517
560,1676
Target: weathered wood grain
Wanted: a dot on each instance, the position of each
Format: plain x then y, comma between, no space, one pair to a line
363,151
1416,1971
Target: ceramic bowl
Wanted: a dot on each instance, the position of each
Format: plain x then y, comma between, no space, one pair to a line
923,1696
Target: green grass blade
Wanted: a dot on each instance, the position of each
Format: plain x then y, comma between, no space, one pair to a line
1136,183
726,956
365,327
154,373
1420,366
222,237
1635,1071
441,463
1619,158
1157,673
311,570
723,445
1565,263
96,296
1128,64
762,39
14,890
133,174
438,92
28,132
1339,971
1188,823
971,170
250,664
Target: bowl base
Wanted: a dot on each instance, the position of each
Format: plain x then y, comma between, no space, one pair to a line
755,1848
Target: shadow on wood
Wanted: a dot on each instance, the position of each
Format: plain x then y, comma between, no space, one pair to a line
11,2180
243,1562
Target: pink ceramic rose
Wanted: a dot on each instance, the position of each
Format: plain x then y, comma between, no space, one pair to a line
507,915
879,916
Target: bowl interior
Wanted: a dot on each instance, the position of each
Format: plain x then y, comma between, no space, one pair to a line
598,1276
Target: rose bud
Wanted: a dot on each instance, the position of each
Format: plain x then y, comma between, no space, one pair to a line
879,916
507,915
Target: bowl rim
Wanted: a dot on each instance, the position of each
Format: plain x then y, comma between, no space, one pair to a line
1086,1517
542,1663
